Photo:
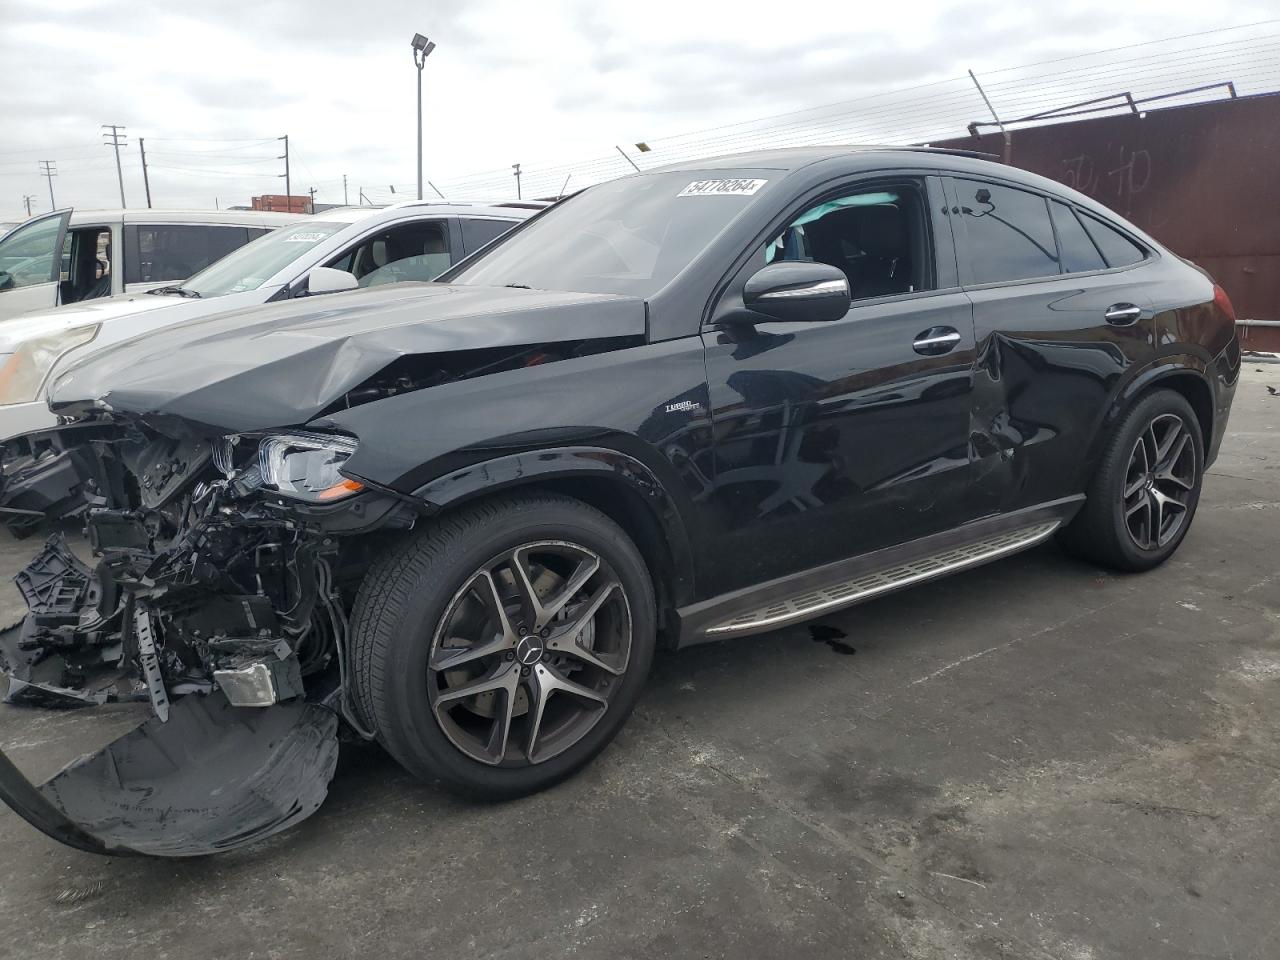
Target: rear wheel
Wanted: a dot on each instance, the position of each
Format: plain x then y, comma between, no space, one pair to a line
502,648
1144,494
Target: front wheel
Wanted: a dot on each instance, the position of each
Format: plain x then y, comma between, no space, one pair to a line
1143,496
502,648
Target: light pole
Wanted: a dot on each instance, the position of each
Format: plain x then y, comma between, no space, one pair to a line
422,48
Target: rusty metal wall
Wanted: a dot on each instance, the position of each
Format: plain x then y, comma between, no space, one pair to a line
1204,180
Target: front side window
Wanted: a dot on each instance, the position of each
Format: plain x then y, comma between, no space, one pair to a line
1007,231
629,236
255,263
1119,250
877,237
410,251
157,253
29,255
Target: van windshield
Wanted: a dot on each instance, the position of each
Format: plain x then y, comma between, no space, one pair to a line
255,263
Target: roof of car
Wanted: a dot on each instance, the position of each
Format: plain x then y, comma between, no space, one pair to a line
793,158
236,217
512,210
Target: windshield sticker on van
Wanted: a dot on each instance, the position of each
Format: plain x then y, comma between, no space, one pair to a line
310,236
722,188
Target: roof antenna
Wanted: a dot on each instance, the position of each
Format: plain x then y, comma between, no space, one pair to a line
564,187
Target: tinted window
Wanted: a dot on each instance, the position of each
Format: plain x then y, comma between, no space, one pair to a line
476,233
164,252
1077,250
1119,250
876,237
1009,236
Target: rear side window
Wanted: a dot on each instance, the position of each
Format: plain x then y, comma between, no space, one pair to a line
1118,249
477,233
1008,233
165,252
1076,249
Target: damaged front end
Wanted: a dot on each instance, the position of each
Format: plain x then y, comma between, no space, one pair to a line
214,585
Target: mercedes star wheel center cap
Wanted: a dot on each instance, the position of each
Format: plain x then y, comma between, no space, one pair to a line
529,650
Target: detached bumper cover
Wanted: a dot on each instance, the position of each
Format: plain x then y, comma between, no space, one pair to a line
212,778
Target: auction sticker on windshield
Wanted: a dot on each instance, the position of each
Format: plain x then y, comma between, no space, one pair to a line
307,236
722,188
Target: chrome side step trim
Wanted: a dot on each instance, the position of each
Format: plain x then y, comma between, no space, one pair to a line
848,592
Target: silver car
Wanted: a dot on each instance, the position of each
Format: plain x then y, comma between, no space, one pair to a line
339,249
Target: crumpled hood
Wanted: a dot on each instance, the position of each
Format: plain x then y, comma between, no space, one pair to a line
282,364
41,323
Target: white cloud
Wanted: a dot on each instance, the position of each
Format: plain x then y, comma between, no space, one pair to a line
541,84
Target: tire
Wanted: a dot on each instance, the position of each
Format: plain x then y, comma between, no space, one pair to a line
460,572
1110,529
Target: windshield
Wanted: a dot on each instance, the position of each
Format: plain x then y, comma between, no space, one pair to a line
631,236
255,263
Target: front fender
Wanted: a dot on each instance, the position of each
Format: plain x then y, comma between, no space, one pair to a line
531,466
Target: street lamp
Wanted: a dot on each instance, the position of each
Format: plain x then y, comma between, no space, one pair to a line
422,48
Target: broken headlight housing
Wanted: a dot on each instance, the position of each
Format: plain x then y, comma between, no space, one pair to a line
305,466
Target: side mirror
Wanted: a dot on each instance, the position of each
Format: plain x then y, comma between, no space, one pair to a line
797,291
329,280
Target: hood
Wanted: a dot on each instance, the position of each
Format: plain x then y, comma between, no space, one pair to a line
39,323
282,364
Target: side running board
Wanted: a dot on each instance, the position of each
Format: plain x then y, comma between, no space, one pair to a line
845,593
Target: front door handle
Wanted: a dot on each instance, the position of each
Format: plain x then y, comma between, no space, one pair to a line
1122,314
936,341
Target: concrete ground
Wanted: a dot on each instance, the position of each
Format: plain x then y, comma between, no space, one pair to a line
1033,760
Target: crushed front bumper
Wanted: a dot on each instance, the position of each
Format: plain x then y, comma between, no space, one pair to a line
211,778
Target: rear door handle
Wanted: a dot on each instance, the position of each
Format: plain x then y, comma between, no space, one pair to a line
1122,314
936,341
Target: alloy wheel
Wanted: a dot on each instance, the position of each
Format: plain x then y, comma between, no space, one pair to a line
528,653
1160,482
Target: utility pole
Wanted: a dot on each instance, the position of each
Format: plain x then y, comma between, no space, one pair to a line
117,132
287,191
48,172
516,168
145,181
312,191
363,198
27,198
344,191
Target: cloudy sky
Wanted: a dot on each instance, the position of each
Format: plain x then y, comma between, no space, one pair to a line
553,85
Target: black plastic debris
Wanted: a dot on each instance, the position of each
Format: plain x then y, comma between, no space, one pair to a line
214,777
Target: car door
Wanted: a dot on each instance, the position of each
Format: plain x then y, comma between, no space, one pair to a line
832,439
31,264
1061,311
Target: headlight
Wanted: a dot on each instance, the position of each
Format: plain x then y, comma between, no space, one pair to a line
24,372
305,466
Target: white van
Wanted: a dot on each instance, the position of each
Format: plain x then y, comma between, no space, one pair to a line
69,256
